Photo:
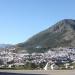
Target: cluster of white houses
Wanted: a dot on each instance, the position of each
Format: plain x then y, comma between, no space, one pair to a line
53,58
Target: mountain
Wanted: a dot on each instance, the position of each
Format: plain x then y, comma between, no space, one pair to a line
61,34
5,45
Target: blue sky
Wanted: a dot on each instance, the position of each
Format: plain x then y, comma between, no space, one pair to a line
21,19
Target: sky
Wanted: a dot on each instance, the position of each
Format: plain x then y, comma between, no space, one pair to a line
21,19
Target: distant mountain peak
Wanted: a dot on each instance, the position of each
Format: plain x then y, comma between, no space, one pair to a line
66,21
65,24
5,45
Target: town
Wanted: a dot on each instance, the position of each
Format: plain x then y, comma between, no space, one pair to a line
53,59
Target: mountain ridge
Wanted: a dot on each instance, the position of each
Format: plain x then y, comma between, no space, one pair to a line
61,34
5,45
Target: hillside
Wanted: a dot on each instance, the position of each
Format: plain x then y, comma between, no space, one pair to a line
61,34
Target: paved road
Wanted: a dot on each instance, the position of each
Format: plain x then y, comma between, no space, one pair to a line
37,72
5,73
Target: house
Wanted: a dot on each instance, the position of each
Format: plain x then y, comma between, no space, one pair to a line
66,65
